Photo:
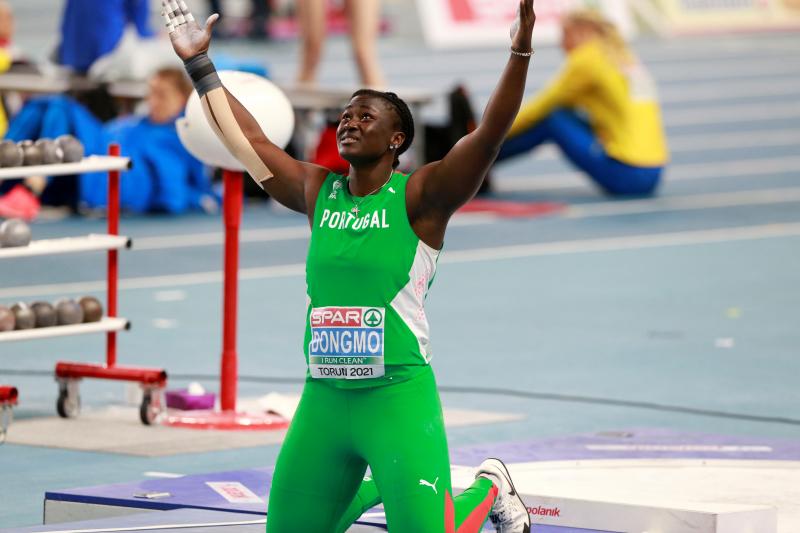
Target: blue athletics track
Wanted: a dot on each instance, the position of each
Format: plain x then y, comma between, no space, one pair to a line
670,325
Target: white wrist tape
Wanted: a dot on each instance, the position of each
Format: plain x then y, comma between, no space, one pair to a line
221,119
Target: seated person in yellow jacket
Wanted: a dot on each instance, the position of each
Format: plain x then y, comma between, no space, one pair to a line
601,110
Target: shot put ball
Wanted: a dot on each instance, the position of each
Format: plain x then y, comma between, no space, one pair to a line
68,312
7,320
24,316
14,232
31,154
51,151
92,309
72,148
10,154
45,314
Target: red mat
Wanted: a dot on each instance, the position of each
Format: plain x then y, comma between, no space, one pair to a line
507,208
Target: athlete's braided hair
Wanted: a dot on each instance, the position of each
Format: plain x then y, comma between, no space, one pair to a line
406,120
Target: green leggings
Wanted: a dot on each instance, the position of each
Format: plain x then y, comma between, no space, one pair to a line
398,430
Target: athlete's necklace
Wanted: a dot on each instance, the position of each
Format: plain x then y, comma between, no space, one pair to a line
355,209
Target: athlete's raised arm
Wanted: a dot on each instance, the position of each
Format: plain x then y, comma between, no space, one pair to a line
439,188
289,181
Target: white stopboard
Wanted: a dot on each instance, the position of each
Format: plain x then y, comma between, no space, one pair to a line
657,495
474,23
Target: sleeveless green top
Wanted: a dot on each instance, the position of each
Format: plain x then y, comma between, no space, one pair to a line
367,276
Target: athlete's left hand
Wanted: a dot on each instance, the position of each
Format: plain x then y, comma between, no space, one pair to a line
521,40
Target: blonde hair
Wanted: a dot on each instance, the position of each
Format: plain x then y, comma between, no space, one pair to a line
606,30
176,77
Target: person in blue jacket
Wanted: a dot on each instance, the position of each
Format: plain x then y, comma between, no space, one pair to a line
93,28
164,178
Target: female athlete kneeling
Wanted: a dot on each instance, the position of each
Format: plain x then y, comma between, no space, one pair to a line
370,398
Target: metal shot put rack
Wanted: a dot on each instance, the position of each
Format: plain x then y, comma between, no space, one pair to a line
69,374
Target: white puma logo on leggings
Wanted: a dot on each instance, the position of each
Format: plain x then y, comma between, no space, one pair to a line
431,485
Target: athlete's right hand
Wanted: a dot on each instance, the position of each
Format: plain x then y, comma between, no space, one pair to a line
188,38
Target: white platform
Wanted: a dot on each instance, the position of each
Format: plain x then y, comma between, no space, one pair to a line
626,496
659,495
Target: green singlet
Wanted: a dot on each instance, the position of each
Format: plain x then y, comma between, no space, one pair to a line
367,274
370,398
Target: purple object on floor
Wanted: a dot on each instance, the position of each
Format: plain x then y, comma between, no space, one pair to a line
181,399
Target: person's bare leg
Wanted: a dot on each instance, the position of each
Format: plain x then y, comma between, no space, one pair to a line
364,17
311,15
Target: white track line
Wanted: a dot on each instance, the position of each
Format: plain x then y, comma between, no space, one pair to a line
481,83
777,137
540,182
603,244
702,92
650,205
289,233
609,244
738,47
687,143
680,71
482,67
685,203
216,238
734,168
155,282
727,114
684,172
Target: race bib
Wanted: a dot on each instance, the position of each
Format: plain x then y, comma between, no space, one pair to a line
346,342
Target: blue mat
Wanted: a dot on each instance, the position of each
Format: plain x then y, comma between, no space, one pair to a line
180,520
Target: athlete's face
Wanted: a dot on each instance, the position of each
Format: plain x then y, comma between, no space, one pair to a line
368,127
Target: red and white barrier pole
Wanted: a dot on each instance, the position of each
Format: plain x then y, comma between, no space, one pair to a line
232,214
228,418
113,229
